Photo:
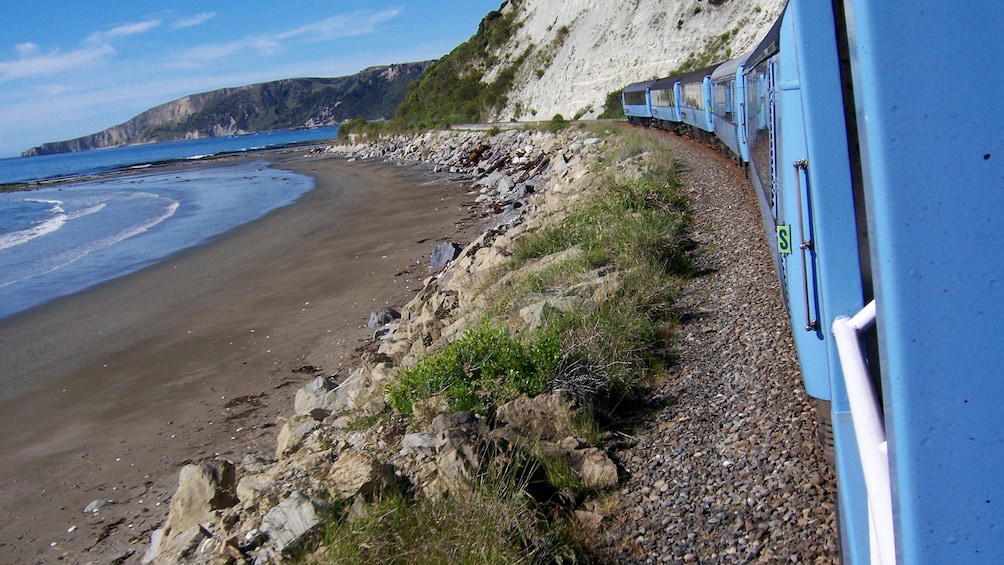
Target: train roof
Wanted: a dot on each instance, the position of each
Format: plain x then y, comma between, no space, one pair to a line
692,76
729,68
664,83
698,75
638,86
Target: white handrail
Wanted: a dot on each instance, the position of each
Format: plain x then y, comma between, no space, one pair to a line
869,431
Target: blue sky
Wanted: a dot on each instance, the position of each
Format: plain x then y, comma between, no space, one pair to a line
70,68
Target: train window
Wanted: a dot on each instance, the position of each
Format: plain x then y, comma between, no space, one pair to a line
635,98
693,95
759,124
722,92
663,97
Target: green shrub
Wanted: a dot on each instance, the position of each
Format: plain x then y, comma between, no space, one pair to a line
483,368
613,106
558,123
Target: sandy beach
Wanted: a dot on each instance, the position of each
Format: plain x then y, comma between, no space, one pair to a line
109,392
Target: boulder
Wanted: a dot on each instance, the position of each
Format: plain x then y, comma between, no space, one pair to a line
193,546
203,489
443,253
293,523
358,474
418,444
321,393
546,416
382,317
594,468
312,395
293,434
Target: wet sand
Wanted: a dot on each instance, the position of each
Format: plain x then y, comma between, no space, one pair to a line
111,391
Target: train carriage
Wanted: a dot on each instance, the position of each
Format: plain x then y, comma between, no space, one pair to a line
932,185
637,101
815,235
728,94
665,110
694,101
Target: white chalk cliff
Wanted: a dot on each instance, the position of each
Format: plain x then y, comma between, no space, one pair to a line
580,50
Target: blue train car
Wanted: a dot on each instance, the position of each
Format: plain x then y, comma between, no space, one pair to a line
728,94
799,145
637,103
864,192
694,101
665,111
932,185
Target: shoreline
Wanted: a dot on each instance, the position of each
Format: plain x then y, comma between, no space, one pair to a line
198,353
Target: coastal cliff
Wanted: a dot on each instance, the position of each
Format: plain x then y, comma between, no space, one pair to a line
533,59
578,51
372,94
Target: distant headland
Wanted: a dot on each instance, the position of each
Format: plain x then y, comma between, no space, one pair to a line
372,94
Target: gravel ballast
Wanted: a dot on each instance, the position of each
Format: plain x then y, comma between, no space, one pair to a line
727,468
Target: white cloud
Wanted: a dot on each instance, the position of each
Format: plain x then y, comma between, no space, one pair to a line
200,56
354,24
195,20
53,63
26,49
126,30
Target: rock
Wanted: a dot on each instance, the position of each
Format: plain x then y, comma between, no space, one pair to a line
537,313
249,488
547,416
418,444
293,523
590,521
505,185
594,468
358,474
385,333
322,393
202,489
457,467
293,434
382,317
466,420
151,552
443,253
96,505
194,546
312,395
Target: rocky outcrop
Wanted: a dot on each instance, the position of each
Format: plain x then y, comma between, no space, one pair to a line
372,94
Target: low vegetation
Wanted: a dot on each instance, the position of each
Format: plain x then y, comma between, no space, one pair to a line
613,107
491,524
628,229
452,90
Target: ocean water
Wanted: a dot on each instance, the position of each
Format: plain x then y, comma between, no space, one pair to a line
64,238
86,163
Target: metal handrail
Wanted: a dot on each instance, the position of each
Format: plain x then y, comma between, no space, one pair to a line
869,431
811,323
